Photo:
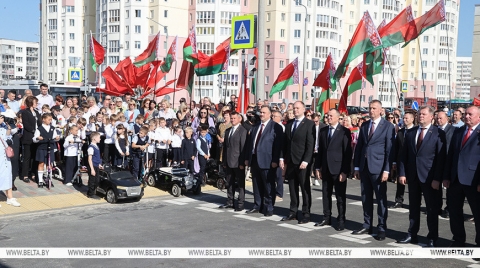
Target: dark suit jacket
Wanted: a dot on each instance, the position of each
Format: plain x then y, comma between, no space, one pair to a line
234,147
428,162
300,147
269,145
449,129
379,151
399,142
463,163
28,121
337,154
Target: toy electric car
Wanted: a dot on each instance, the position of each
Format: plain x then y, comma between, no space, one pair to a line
174,179
213,175
119,184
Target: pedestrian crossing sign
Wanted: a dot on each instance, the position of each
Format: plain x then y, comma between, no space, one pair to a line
75,75
243,32
404,86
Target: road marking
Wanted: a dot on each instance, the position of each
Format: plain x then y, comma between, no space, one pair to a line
175,202
333,198
186,200
350,239
210,205
358,203
474,265
246,217
237,212
273,218
211,209
295,227
419,245
363,236
399,210
311,225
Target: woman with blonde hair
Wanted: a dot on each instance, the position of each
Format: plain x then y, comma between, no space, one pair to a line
183,115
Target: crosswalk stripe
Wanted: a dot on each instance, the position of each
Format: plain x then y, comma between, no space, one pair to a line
419,245
246,217
273,218
175,202
351,239
211,209
295,227
399,210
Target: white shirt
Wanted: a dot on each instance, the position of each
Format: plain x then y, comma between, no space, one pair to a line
234,128
317,129
471,130
258,132
376,121
117,145
170,114
298,122
162,134
424,132
71,148
444,126
14,105
45,99
109,132
151,147
332,129
176,141
37,133
9,113
90,150
199,146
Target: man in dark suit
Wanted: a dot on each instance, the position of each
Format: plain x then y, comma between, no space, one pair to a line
332,165
297,157
408,120
372,162
318,125
263,154
422,162
234,153
442,123
462,176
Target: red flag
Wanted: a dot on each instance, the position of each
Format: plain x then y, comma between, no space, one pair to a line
156,75
108,92
150,53
148,92
476,102
114,83
187,74
354,83
97,52
239,100
126,70
433,17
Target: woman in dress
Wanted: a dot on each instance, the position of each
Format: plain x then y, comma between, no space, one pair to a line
5,164
183,115
145,106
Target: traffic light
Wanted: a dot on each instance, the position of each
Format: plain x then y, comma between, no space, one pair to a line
312,93
401,97
252,68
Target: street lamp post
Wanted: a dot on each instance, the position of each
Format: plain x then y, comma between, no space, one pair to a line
165,28
304,49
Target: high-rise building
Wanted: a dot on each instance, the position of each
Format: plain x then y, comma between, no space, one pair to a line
63,25
475,82
19,60
464,76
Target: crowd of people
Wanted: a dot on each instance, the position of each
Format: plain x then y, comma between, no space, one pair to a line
276,144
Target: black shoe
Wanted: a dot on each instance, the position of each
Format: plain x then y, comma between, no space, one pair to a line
94,197
431,243
268,214
380,236
323,223
26,180
340,226
251,211
40,185
409,239
397,205
362,231
14,188
456,244
226,206
304,220
290,217
445,214
239,209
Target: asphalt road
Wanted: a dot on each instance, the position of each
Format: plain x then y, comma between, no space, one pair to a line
195,221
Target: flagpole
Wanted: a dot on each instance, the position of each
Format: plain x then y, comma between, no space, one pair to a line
393,79
449,71
175,84
423,79
225,90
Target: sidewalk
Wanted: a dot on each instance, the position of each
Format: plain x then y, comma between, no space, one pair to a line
37,199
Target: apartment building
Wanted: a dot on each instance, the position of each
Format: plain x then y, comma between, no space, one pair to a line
464,77
19,60
475,82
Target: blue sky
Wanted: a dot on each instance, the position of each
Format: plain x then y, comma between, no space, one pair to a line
19,20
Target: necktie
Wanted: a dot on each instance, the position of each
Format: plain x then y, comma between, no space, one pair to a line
294,127
372,130
330,134
231,132
420,138
258,138
465,138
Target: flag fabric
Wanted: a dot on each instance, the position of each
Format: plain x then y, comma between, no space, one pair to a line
354,83
156,75
398,29
374,61
432,18
288,76
97,53
239,100
476,102
114,83
215,64
253,85
151,52
190,47
171,57
325,79
150,91
108,92
126,70
322,104
365,39
186,76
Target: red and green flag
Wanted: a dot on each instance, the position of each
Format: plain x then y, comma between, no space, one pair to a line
97,53
374,61
214,64
398,29
186,76
150,54
364,40
190,47
288,76
432,18
354,83
326,81
171,57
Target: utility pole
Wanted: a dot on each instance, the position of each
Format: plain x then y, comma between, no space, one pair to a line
261,50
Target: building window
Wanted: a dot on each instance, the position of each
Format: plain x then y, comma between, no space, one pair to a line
52,8
70,9
72,36
268,33
282,16
268,16
298,17
113,59
127,29
295,95
282,32
52,24
114,15
282,64
282,49
165,13
127,45
296,49
204,17
72,22
296,33
71,49
267,48
267,64
137,44
138,29
114,46
207,48
267,80
138,13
